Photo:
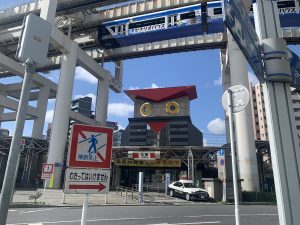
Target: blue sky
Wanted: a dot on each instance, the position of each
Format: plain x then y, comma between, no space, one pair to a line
199,68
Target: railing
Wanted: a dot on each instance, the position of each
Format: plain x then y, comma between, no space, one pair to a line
151,188
134,194
126,191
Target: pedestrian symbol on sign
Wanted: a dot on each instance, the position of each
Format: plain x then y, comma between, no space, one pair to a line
93,142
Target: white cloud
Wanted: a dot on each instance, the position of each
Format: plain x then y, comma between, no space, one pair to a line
252,78
49,116
91,95
153,85
133,88
216,126
120,109
218,82
82,74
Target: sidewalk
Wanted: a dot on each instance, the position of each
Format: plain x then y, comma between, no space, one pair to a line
53,197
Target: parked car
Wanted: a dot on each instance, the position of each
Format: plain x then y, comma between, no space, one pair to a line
188,190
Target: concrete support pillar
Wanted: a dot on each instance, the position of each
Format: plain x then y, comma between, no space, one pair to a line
246,151
61,114
48,10
226,83
38,124
2,107
102,102
117,178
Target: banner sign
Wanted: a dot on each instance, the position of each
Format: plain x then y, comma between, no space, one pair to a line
148,163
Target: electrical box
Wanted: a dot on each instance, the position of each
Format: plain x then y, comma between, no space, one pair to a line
34,41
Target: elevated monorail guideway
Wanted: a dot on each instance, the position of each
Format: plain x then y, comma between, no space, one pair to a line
192,27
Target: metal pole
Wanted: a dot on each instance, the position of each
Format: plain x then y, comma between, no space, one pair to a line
167,182
141,184
64,198
45,185
84,209
233,157
15,178
15,143
106,199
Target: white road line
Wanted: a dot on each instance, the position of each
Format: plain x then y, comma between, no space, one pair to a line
33,211
228,215
141,218
35,224
194,223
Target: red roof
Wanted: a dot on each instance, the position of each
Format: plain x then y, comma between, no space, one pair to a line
163,94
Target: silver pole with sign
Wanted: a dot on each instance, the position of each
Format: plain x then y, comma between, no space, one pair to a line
233,159
234,100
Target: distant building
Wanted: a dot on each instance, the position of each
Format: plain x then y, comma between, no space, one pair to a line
4,133
259,112
84,107
117,138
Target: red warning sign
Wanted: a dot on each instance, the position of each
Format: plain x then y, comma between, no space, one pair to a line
91,147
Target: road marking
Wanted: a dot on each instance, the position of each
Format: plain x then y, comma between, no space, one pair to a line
140,218
35,224
194,223
260,214
12,210
33,211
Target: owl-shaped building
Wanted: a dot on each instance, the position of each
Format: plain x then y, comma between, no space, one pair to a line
162,118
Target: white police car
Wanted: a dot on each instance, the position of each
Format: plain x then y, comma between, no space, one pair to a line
187,190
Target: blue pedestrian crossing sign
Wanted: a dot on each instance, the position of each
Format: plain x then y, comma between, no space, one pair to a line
90,147
221,152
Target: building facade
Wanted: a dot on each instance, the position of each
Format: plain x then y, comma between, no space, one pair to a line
161,123
259,112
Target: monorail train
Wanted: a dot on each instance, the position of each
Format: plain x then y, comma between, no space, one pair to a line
204,18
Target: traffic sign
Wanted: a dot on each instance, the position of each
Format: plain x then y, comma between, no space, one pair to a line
47,170
240,98
295,69
221,152
237,21
91,147
86,181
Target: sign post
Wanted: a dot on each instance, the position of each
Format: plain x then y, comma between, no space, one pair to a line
89,162
235,99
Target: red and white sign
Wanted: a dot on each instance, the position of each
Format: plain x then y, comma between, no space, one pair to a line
91,147
86,181
47,170
144,155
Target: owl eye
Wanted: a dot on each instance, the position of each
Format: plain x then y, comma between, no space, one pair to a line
146,109
172,108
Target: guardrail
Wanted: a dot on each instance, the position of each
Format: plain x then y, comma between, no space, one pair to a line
152,188
126,191
134,194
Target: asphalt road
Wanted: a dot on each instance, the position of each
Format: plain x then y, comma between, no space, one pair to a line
146,215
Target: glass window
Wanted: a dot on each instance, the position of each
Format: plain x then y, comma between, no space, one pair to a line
285,4
217,11
188,15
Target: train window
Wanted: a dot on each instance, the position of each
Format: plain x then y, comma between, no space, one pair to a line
147,23
217,11
170,19
188,15
285,4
